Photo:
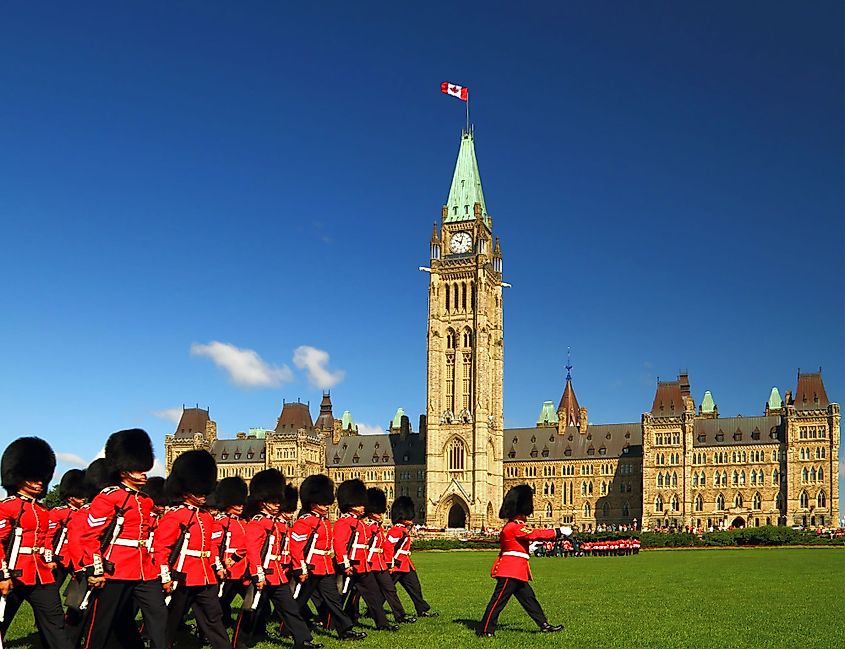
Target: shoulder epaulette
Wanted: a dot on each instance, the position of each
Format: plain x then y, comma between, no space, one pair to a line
8,499
109,490
257,517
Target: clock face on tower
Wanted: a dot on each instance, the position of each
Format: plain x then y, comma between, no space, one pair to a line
460,243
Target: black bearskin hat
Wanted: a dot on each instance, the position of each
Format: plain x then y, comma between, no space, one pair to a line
291,498
317,489
267,486
27,459
518,501
98,476
73,485
212,502
155,490
129,450
376,501
351,493
231,491
193,472
402,509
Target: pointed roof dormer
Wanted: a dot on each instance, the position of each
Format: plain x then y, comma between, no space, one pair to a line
466,191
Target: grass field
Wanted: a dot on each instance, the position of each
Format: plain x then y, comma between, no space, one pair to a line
783,597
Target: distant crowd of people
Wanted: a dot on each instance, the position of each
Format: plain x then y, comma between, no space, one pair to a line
572,547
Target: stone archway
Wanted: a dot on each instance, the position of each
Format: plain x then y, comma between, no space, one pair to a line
457,517
738,522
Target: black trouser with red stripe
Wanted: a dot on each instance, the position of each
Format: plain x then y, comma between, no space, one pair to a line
411,583
113,600
47,609
286,607
505,587
388,590
364,585
326,586
203,601
231,587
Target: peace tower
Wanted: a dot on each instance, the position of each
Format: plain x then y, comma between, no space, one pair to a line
465,357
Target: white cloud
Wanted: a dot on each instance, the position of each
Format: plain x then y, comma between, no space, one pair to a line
71,458
245,367
157,470
171,414
367,429
314,362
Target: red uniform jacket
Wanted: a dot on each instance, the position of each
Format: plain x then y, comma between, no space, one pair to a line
131,555
514,540
202,557
321,563
350,543
34,519
72,550
374,554
233,544
259,563
59,518
398,549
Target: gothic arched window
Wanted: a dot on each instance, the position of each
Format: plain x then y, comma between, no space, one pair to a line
720,502
457,454
658,503
804,500
821,500
699,503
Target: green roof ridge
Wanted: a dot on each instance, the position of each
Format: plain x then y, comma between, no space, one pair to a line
707,403
775,402
547,414
466,190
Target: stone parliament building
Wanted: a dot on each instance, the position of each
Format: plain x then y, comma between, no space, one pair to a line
679,465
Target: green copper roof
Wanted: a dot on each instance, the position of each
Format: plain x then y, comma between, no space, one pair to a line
707,403
775,402
258,433
466,184
547,414
347,422
397,418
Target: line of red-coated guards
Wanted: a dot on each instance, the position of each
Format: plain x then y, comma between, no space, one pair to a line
125,544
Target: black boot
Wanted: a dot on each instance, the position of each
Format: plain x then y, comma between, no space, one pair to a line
350,634
545,627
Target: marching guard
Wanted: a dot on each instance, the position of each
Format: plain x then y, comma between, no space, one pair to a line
114,547
511,570
264,541
311,550
398,554
73,492
186,550
26,561
350,553
376,564
231,495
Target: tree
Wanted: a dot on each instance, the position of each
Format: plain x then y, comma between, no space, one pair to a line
52,498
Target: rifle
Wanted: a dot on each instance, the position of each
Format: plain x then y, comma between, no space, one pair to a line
102,564
267,553
12,551
177,556
309,554
224,549
350,551
57,553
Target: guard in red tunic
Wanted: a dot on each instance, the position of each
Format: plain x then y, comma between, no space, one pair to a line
398,554
377,563
511,570
114,547
73,493
265,537
187,549
350,554
311,552
26,562
230,495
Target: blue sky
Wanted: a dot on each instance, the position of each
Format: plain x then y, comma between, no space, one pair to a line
181,183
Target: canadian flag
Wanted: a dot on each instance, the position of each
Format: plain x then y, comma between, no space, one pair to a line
461,92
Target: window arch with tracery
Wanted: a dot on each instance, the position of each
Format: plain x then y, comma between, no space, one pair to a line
457,455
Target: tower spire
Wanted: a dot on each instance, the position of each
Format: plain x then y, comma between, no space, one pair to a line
465,191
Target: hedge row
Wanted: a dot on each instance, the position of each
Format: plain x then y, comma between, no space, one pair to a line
769,535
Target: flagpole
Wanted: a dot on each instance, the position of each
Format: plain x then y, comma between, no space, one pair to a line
467,111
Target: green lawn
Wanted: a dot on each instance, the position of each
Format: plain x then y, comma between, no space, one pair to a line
784,597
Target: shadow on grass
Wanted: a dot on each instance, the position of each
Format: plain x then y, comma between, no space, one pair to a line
25,641
475,626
